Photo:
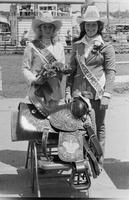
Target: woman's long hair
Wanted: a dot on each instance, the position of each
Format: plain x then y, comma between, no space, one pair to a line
83,31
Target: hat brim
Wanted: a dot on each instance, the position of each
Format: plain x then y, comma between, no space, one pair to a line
36,23
90,20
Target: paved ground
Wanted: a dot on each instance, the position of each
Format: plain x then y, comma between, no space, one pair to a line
112,183
15,180
122,79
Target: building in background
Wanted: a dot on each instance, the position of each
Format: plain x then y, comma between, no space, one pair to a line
5,33
21,16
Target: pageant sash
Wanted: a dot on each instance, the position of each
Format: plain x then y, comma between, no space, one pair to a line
45,54
90,78
38,95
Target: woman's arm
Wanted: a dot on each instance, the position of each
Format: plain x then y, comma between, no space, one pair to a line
73,67
26,65
109,68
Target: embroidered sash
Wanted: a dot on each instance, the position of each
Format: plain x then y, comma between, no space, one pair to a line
90,78
45,54
39,94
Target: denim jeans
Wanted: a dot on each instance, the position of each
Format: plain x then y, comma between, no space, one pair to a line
100,123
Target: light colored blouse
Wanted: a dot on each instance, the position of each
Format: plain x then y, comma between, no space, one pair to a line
32,65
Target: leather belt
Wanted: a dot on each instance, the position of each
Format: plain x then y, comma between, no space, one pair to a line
92,159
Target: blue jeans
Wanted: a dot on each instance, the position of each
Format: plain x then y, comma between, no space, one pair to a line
100,123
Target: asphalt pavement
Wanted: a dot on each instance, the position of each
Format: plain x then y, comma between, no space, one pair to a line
113,181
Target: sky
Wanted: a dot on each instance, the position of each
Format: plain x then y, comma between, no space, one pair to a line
113,5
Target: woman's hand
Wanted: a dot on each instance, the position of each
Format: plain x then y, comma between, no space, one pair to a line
44,74
58,66
31,78
104,103
39,80
68,98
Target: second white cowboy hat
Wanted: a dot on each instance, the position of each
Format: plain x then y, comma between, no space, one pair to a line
91,14
44,18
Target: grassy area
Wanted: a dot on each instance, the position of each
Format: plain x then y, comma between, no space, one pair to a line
14,84
122,57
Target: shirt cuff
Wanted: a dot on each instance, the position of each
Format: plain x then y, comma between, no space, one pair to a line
106,94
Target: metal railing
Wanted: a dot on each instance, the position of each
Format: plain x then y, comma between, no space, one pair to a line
5,38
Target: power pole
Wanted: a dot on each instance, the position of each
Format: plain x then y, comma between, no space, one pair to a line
108,20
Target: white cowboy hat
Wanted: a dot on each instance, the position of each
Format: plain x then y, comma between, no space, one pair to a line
91,14
44,18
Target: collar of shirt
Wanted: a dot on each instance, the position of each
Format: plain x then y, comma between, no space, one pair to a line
97,38
46,42
89,44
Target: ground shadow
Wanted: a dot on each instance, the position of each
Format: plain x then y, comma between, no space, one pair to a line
14,158
17,182
17,185
118,172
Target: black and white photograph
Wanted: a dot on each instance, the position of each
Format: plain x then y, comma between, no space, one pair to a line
64,99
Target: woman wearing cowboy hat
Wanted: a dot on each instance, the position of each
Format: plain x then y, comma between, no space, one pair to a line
93,69
44,53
